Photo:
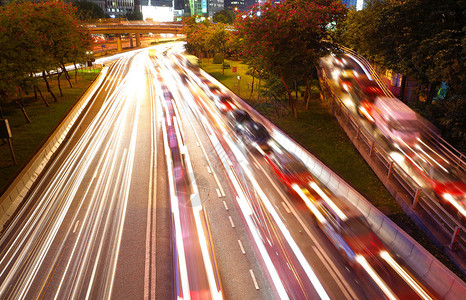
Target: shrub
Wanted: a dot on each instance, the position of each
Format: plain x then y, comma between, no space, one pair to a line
218,58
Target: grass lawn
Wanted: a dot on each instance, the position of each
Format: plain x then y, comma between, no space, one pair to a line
27,137
318,131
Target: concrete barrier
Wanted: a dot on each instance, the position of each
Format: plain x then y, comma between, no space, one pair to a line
18,189
425,265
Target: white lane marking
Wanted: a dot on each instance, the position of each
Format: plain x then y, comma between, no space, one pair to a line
241,246
149,270
218,193
286,207
218,183
284,230
254,279
231,221
225,204
334,272
199,143
324,261
245,209
175,209
209,170
76,226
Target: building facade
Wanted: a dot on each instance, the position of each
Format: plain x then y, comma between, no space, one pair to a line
215,6
235,5
358,4
157,10
118,8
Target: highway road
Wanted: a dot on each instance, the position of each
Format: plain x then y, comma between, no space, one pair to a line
428,164
154,196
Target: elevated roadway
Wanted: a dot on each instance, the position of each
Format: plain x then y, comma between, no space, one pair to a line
134,27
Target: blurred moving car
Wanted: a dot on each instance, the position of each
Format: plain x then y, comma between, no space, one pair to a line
224,103
257,135
396,120
350,233
253,133
238,118
346,78
338,61
364,93
289,170
447,181
209,88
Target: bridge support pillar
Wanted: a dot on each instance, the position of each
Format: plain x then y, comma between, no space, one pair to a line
119,46
131,40
138,40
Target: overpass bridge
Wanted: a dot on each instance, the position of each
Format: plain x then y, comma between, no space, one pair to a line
135,28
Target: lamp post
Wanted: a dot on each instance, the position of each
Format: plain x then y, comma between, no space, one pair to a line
239,85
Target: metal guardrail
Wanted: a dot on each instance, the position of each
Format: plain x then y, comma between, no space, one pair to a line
420,261
424,264
456,155
413,198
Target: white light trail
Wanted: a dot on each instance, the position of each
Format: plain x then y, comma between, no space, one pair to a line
324,196
246,211
383,286
176,218
309,204
270,208
455,203
414,285
362,67
198,214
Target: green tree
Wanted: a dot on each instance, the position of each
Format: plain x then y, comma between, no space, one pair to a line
422,39
134,16
218,41
225,16
197,32
87,10
425,40
37,37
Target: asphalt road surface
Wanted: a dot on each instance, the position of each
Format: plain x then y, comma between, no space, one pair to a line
153,195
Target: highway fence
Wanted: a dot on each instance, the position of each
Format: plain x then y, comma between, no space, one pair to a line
419,204
424,264
456,155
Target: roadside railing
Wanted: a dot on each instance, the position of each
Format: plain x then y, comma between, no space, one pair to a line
458,157
420,261
419,204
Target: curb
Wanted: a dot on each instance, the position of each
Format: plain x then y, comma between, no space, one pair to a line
425,265
19,188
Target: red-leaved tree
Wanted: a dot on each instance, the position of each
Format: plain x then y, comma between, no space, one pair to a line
288,38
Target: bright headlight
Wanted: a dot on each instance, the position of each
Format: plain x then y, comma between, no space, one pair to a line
447,197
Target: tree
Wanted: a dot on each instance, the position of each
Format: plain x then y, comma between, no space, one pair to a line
37,37
87,10
422,39
196,31
225,16
289,37
134,15
425,40
217,40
